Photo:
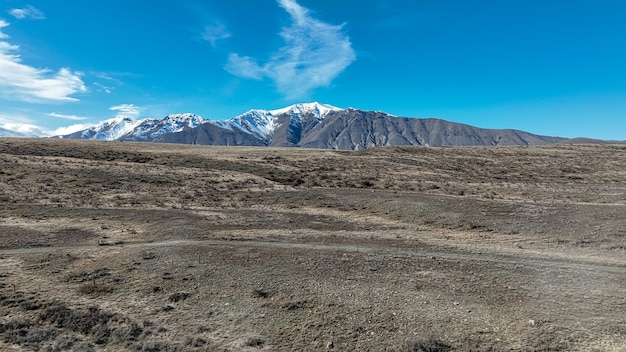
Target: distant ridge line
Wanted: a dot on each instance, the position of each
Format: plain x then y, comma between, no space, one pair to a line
313,125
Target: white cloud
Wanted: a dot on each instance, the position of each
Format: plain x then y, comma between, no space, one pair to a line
26,83
61,131
315,53
127,110
18,123
29,12
25,128
214,33
67,117
23,124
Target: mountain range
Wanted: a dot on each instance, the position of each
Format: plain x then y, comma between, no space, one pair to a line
308,125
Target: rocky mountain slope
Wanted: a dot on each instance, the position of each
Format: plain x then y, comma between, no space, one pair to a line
310,125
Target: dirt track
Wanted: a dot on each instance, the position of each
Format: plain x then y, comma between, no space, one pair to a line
396,250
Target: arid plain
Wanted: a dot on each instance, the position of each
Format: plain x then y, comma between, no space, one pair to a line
111,246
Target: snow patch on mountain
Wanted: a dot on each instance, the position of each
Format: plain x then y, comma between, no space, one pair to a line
259,123
149,129
111,129
127,128
318,110
263,123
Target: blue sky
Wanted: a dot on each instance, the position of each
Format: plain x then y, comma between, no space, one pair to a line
551,67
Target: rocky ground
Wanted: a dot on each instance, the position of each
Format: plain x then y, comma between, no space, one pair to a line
149,247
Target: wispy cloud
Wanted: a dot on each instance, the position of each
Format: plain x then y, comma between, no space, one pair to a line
61,131
214,33
108,81
28,12
314,54
103,88
127,110
245,67
22,82
67,117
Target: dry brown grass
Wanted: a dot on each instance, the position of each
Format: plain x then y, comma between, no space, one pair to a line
130,246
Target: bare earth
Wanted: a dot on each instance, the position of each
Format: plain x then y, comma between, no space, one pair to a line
151,247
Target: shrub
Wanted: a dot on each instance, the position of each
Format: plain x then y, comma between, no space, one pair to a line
179,296
94,289
255,342
195,341
259,293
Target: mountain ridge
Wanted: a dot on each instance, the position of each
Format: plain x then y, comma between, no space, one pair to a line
310,125
315,125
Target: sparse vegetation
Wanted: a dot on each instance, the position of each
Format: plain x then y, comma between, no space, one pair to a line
179,296
94,289
255,342
429,344
259,293
145,247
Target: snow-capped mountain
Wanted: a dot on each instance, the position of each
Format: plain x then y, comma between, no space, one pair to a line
299,110
315,125
149,129
260,123
127,128
309,125
263,123
107,130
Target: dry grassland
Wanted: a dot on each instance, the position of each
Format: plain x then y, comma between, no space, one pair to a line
149,247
